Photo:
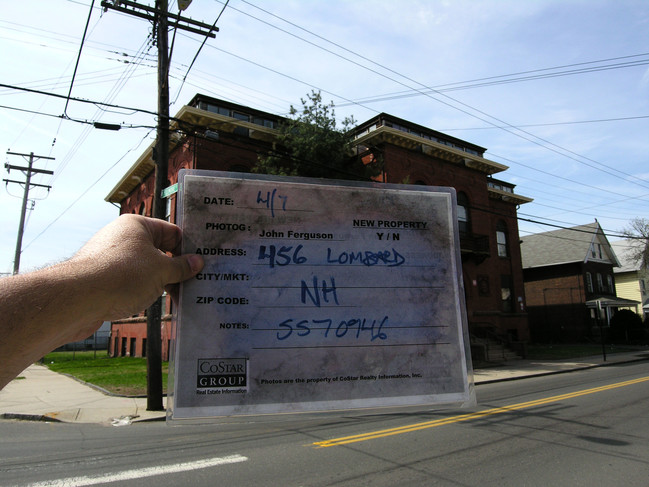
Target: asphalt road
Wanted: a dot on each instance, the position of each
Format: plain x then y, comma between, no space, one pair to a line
587,428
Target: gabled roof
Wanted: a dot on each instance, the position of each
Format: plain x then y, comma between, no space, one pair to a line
583,243
623,250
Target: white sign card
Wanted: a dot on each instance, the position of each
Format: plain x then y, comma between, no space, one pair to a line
317,295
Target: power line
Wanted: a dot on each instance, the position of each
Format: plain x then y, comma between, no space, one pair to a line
76,66
494,155
429,91
556,175
552,124
86,191
198,52
463,85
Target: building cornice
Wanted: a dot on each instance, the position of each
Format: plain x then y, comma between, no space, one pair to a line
508,197
188,119
385,134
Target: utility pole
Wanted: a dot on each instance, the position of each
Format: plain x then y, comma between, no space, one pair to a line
28,171
160,18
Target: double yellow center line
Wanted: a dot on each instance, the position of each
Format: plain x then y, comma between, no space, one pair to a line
345,440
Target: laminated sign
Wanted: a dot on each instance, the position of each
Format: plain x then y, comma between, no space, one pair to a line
317,295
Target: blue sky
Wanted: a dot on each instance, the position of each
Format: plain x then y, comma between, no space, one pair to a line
556,90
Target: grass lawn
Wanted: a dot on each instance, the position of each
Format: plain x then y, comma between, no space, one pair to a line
120,375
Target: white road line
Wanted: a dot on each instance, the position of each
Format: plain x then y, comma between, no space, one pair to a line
141,472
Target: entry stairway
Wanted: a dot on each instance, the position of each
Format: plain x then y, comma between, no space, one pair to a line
492,350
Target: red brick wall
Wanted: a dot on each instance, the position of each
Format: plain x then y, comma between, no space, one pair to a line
482,280
127,337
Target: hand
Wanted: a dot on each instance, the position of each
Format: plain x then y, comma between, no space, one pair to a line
122,270
128,263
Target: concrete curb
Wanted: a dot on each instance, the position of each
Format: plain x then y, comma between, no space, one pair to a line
30,417
556,372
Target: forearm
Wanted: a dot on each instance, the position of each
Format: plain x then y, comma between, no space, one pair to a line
120,271
42,311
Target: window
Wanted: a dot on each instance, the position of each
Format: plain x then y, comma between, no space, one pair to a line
483,285
463,217
596,251
506,293
264,122
244,118
600,283
611,287
589,282
501,238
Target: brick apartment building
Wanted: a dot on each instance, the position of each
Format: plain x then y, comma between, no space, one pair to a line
215,134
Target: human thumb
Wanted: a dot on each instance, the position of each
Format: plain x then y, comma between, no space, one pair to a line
185,267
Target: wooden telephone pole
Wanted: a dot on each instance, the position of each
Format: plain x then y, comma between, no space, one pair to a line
28,171
160,18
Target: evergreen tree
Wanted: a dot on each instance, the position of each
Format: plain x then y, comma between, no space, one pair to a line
310,144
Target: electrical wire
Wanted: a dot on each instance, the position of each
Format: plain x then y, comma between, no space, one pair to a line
341,97
153,113
76,66
198,52
463,85
85,192
112,94
552,124
463,107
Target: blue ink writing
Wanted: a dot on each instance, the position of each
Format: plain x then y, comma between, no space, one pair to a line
270,199
314,296
334,328
282,256
367,258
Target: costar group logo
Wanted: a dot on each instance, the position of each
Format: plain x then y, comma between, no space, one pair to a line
221,373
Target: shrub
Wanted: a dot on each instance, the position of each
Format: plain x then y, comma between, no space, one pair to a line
627,326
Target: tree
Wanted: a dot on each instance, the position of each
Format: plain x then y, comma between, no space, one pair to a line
310,144
637,233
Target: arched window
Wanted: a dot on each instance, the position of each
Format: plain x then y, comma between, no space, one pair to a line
501,238
463,216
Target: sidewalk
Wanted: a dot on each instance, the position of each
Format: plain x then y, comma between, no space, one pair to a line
40,395
43,395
